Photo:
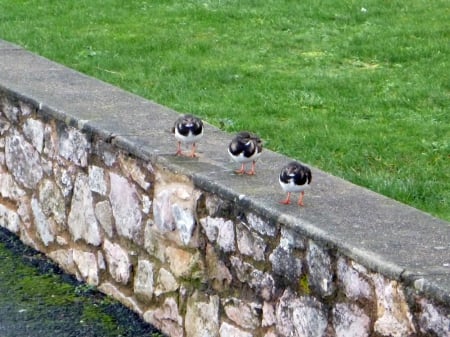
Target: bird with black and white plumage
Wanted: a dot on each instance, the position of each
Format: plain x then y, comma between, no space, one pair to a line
295,177
188,130
244,148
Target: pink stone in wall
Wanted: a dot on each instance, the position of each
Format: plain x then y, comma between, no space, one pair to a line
117,261
125,203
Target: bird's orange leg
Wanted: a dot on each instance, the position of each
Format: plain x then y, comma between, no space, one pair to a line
286,201
252,171
179,152
300,199
193,154
241,170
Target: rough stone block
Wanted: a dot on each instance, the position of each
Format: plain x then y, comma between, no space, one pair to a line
52,201
125,206
9,219
221,231
166,282
166,318
82,222
97,181
260,225
393,315
350,321
246,315
320,270
117,261
228,330
250,244
143,280
286,264
73,145
202,316
355,286
23,160
44,226
87,265
300,316
34,132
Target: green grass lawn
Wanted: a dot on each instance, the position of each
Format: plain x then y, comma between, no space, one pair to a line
357,88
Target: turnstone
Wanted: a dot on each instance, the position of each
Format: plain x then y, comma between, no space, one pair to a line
188,129
244,148
295,177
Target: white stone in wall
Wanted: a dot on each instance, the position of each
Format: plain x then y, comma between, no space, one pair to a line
185,222
117,261
320,275
143,280
300,316
10,111
221,231
131,169
52,202
82,222
154,242
268,314
125,206
50,142
97,181
432,320
87,265
291,239
173,209
73,146
263,283
64,178
166,318
44,226
101,261
350,321
354,285
250,244
27,239
9,219
202,316
166,282
146,204
24,211
23,160
34,132
111,290
228,330
104,215
244,314
8,187
64,258
393,316
261,226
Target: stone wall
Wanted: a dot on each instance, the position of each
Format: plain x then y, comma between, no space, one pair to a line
191,262
193,248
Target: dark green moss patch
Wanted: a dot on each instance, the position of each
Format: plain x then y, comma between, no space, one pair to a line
39,299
